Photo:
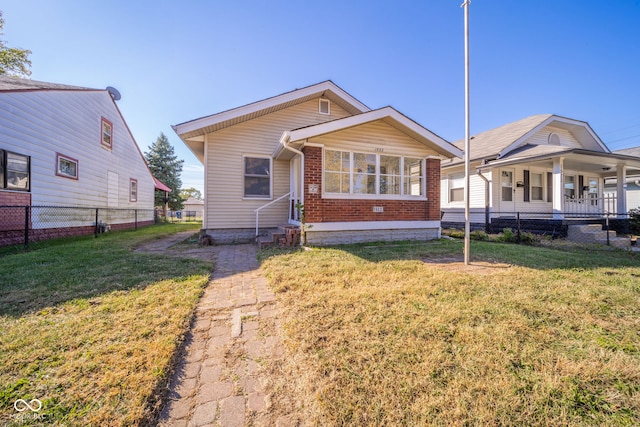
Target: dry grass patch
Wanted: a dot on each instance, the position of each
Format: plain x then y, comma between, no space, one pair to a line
376,336
90,328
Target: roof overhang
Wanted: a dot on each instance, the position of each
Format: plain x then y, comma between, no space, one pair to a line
603,164
297,137
159,185
193,132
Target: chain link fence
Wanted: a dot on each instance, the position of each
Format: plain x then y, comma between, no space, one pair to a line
613,230
27,224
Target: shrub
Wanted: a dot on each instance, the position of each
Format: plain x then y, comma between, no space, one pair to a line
634,221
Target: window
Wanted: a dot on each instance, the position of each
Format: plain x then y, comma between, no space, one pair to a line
364,173
536,187
570,187
133,190
15,171
506,183
66,167
106,128
456,188
337,166
390,176
324,106
257,177
372,174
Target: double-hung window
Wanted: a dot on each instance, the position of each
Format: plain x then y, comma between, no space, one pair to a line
257,177
456,188
133,190
15,171
369,174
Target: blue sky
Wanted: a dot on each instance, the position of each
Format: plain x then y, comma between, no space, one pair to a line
174,61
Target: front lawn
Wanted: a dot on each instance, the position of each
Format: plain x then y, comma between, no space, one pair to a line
89,328
376,336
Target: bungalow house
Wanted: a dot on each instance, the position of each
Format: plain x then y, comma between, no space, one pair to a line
546,168
319,157
67,146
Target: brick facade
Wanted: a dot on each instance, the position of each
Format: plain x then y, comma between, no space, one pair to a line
318,209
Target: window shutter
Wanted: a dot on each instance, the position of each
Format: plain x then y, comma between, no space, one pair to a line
580,186
527,187
549,187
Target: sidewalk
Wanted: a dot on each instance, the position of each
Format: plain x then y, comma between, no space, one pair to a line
221,380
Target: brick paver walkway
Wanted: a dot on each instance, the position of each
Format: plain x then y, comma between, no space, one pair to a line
221,381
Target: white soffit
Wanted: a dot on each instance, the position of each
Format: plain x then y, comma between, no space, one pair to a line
387,114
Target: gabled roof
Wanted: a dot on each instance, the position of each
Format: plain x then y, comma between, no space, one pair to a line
512,138
387,115
212,123
8,84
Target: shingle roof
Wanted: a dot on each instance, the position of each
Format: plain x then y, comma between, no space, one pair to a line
634,151
490,143
13,84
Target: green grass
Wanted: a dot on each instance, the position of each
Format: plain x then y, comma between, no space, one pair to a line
90,328
376,336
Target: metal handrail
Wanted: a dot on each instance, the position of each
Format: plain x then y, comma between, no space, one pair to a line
257,211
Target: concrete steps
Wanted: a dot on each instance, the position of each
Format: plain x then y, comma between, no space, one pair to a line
285,236
594,234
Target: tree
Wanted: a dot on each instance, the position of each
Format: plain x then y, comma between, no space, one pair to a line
165,166
185,193
13,61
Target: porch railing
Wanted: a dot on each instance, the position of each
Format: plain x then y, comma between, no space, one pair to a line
257,211
591,205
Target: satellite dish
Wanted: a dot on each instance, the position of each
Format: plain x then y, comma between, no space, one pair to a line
114,93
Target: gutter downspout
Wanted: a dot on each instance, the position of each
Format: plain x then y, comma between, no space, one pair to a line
284,140
486,200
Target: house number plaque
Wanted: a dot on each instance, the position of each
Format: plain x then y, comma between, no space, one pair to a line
313,188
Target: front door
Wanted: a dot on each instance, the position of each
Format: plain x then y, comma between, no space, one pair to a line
507,201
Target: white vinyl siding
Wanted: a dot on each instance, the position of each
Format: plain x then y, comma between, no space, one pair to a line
225,205
42,123
542,137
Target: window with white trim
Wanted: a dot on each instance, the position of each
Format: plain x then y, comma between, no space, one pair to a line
456,188
106,133
15,171
372,174
324,106
66,166
536,186
257,177
133,190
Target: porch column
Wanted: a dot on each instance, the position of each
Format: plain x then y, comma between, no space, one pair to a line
621,190
558,188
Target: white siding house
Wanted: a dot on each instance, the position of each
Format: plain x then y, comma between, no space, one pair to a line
68,146
543,167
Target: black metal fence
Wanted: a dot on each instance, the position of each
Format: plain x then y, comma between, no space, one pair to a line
610,230
26,224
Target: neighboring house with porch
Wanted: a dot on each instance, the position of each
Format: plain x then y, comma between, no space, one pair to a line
633,181
67,146
544,168
355,174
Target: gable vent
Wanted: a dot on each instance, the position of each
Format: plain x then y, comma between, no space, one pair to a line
554,139
324,106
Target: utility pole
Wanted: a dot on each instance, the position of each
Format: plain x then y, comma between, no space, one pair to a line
467,139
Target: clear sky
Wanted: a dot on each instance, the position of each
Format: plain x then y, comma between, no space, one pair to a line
174,61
